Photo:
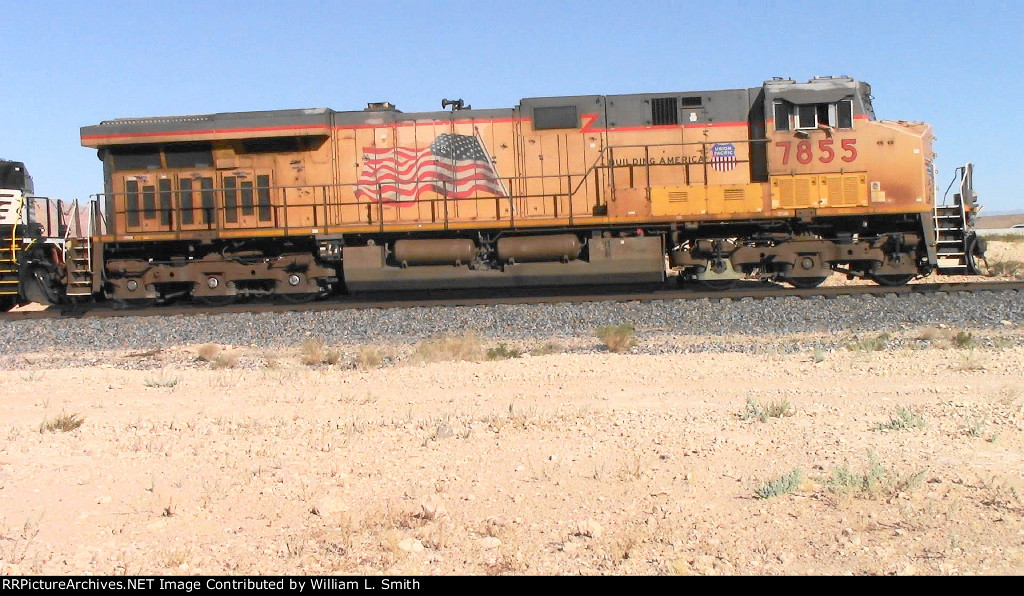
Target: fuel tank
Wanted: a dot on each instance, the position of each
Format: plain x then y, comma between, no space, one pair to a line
533,249
434,252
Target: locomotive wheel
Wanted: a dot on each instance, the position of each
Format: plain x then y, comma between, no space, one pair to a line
892,280
718,285
805,282
214,301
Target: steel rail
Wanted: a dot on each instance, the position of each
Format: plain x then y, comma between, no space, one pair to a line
491,297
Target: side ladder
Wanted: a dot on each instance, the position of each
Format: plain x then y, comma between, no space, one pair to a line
956,243
78,254
10,256
10,251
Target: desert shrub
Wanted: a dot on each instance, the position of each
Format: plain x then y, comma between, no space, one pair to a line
870,345
62,422
207,352
369,357
764,411
503,352
963,339
617,338
449,347
313,352
225,361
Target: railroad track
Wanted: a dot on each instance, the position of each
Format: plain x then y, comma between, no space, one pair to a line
752,289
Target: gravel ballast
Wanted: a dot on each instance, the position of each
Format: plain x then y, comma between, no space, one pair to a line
764,317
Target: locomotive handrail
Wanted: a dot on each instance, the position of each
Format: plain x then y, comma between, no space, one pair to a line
281,200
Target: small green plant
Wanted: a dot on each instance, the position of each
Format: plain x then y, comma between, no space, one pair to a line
905,419
160,382
964,339
502,352
62,422
818,356
617,338
871,345
764,411
869,483
783,485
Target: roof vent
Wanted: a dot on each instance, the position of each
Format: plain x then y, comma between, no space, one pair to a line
377,106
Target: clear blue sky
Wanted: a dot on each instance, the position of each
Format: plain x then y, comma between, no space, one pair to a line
66,64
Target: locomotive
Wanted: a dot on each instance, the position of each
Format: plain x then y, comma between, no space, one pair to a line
783,182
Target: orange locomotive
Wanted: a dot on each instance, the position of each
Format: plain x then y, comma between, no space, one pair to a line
785,181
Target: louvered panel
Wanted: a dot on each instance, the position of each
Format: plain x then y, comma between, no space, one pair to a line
834,191
851,186
786,193
802,194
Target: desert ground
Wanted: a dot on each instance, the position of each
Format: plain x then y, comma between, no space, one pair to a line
888,453
897,454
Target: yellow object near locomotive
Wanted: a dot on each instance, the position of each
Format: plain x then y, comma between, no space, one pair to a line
786,181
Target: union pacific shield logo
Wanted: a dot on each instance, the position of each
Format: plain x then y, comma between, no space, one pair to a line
723,156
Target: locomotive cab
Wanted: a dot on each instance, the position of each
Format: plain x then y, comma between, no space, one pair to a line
827,152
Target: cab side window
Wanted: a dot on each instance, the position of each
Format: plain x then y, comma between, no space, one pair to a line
834,115
781,115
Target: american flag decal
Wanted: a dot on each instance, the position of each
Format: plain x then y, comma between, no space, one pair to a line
455,166
723,156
